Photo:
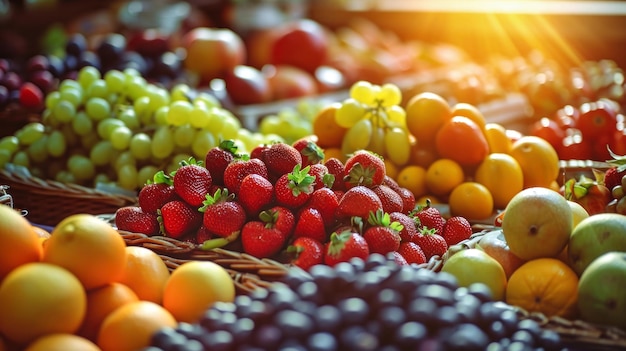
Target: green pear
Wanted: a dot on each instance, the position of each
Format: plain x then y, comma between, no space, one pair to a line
594,236
601,297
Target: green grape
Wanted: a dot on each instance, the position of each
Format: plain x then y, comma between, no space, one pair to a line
141,146
129,117
30,133
396,115
158,98
66,177
179,112
230,128
364,92
115,80
377,141
102,153
180,92
146,173
87,75
207,99
82,124
349,113
142,111
21,158
81,167
97,88
120,137
89,140
131,72
73,95
127,177
101,178
64,111
56,144
37,151
106,126
124,158
183,135
48,119
270,125
69,83
398,145
357,137
389,95
136,87
216,121
71,138
202,143
175,161
51,99
162,142
10,143
5,157
98,108
199,117
160,116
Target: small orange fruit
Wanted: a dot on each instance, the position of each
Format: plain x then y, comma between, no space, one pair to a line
426,113
89,248
145,273
413,178
443,175
130,327
545,285
62,342
470,111
502,176
461,139
334,152
19,243
325,127
471,200
538,159
497,138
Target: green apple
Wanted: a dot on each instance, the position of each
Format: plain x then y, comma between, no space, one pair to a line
594,236
601,297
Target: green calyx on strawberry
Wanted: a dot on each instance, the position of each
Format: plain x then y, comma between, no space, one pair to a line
382,219
360,175
220,195
590,193
613,176
300,181
161,178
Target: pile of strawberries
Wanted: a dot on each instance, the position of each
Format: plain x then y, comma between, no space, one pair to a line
285,200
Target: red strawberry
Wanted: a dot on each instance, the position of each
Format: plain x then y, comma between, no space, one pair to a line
306,252
431,243
412,252
456,229
364,168
382,235
310,223
322,178
398,258
135,219
408,200
344,246
358,201
429,217
293,189
311,153
392,202
390,182
256,193
223,216
281,158
257,151
613,177
337,169
192,182
156,193
326,202
261,239
218,158
409,229
283,219
239,169
202,235
178,218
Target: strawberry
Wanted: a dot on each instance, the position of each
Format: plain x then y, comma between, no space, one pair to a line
409,229
364,168
412,252
430,242
398,258
202,235
613,176
358,201
343,246
391,201
156,193
308,149
218,158
429,217
306,252
177,218
261,239
222,216
257,151
591,194
456,229
382,235
390,182
293,189
337,169
283,219
239,169
310,223
322,177
135,219
281,158
408,199
255,194
326,202
192,182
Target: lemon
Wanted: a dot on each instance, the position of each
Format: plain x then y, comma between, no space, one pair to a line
472,266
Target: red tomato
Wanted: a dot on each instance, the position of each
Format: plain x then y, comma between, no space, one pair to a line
574,146
600,152
618,145
596,119
549,130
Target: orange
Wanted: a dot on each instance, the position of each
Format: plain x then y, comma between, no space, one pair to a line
334,152
62,342
462,140
38,299
100,303
545,285
422,200
391,169
443,175
423,156
497,138
426,113
413,178
19,243
89,248
325,127
145,273
470,111
471,200
194,286
502,176
538,159
130,327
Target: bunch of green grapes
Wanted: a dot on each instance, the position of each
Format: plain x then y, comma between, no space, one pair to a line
119,129
375,121
291,123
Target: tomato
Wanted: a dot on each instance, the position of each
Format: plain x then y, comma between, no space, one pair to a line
549,130
618,145
574,146
596,119
600,152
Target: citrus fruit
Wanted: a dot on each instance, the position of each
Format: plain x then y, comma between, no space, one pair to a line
334,152
102,301
443,175
497,138
40,298
537,223
19,243
413,178
89,248
471,200
130,327
545,285
426,112
470,111
472,266
391,169
145,273
578,213
502,176
194,286
538,159
62,342
461,140
325,127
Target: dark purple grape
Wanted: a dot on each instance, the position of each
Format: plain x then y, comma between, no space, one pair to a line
133,60
166,338
44,80
36,63
268,335
75,45
88,58
70,63
56,66
111,48
357,338
5,65
167,65
353,310
12,80
4,95
219,340
322,341
294,324
410,334
464,337
328,318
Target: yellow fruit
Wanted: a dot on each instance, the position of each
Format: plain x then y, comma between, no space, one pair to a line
472,266
145,273
578,213
502,176
391,169
443,175
471,200
497,139
413,178
195,286
425,113
38,299
538,159
62,342
470,111
19,243
325,127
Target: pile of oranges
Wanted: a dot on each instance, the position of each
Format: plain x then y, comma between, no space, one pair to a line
81,287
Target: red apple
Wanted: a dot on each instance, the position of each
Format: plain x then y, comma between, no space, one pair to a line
212,51
247,85
259,46
149,42
302,43
287,82
494,244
